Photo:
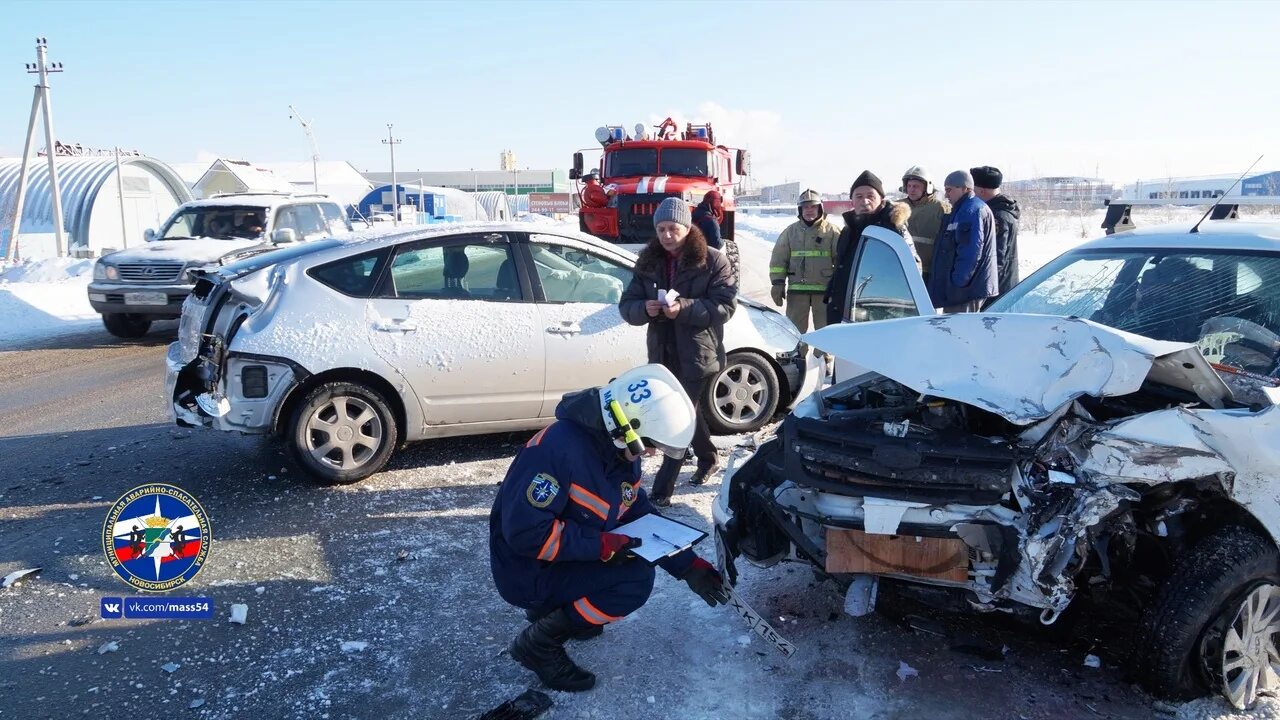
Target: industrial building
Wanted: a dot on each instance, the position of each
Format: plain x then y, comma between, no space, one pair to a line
102,210
427,204
1195,190
512,182
1061,191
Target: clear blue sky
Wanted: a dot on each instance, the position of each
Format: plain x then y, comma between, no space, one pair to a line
819,91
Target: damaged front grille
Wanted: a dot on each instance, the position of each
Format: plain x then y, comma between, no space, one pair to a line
854,459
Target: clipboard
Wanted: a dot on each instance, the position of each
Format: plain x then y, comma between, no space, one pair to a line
660,537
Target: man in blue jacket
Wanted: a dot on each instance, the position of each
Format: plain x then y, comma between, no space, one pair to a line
551,546
963,273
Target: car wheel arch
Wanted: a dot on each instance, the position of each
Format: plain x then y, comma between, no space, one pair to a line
299,392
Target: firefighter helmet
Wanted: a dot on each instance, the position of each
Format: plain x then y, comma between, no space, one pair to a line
810,197
915,172
647,407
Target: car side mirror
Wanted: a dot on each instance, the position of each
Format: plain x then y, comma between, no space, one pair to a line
284,236
149,234
744,162
576,171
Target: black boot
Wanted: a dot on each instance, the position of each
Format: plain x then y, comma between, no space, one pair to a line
587,633
540,647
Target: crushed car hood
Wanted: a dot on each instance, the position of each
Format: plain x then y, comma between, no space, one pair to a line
1020,367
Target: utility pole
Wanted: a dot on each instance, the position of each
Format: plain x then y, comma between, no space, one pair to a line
315,154
39,102
392,141
124,224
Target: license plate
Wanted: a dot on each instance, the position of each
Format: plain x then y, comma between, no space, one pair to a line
146,298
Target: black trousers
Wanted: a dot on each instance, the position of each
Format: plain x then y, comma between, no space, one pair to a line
664,483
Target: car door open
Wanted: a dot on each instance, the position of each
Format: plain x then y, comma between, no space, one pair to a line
884,285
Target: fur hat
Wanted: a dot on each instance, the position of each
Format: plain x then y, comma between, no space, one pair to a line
986,177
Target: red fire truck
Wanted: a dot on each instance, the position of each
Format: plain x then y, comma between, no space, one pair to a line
637,173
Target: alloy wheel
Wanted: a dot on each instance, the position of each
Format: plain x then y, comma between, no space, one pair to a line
741,393
344,433
1249,658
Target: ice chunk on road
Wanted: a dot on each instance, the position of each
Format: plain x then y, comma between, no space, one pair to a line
239,612
353,646
906,671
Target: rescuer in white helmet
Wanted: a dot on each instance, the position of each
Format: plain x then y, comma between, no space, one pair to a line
927,210
552,549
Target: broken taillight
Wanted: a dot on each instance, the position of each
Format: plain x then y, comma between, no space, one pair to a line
253,381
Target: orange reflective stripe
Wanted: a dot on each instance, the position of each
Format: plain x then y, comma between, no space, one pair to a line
590,501
591,613
551,547
538,438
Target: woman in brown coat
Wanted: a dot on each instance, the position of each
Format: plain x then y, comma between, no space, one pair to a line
687,335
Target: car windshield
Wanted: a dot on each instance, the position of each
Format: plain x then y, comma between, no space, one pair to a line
636,161
267,259
1227,303
686,162
221,222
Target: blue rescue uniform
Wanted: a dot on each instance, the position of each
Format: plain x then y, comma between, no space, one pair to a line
565,487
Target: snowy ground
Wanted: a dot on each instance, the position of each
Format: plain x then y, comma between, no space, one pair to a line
45,298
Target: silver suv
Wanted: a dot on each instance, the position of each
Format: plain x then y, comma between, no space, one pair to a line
133,287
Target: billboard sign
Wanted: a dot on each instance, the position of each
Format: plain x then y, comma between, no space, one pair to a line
550,203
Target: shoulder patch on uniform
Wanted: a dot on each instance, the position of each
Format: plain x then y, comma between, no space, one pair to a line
542,490
628,494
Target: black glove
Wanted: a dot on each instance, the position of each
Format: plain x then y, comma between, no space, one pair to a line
778,291
705,581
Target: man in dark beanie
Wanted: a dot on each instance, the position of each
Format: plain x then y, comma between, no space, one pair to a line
986,185
964,257
869,208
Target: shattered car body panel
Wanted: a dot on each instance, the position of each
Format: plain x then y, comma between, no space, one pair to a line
1045,444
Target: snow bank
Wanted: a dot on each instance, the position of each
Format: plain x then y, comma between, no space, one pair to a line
31,310
45,271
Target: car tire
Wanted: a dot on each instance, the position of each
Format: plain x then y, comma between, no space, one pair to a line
124,325
342,432
743,396
1229,577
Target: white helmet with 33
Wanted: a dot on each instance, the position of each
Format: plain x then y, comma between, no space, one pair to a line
647,407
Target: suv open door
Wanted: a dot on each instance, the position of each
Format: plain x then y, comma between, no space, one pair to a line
884,285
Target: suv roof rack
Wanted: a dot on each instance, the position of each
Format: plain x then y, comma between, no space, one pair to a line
261,192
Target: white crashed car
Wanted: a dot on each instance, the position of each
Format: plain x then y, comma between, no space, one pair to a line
1108,428
348,348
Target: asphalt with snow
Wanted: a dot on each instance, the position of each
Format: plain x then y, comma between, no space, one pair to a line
375,600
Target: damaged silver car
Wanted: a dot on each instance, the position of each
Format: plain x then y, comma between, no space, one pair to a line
1109,424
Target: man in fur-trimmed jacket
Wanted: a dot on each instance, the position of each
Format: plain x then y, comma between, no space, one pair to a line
869,208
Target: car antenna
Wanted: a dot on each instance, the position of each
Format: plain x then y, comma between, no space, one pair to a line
1196,228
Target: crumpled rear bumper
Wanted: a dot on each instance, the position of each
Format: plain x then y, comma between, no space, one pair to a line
202,395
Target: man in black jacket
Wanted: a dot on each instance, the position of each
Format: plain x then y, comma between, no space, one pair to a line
986,185
869,208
